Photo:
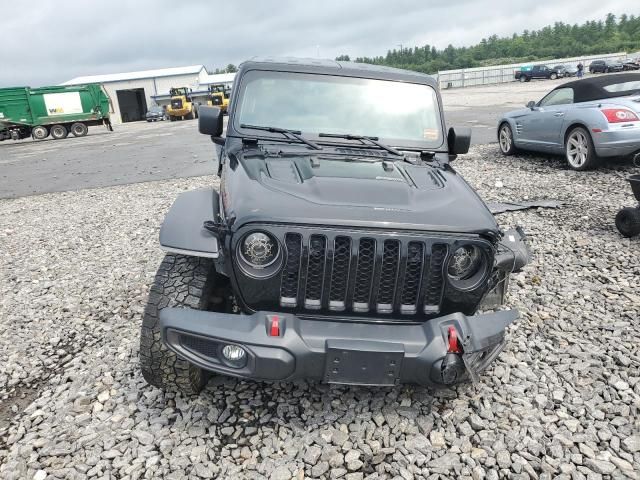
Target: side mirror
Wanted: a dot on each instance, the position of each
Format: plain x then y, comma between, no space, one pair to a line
531,104
210,121
458,140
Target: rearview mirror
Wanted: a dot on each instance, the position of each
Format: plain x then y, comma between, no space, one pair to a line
210,121
458,140
531,104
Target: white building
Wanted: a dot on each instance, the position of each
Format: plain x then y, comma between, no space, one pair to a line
132,93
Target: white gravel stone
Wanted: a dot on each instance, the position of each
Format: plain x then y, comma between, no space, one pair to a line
561,400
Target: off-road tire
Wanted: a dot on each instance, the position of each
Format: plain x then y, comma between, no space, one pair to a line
628,222
181,281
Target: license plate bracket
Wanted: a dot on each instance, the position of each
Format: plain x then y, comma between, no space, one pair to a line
363,362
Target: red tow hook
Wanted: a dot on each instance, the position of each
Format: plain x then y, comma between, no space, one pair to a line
452,369
454,345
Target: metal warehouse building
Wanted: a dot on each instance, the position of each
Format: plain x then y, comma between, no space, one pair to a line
133,93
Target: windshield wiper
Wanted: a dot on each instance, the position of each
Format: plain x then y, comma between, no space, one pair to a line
294,133
362,138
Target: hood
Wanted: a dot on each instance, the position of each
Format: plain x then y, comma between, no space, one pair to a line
351,191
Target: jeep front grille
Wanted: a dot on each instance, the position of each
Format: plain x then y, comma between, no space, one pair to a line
216,100
362,274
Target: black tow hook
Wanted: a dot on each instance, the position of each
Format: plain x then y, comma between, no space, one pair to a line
453,368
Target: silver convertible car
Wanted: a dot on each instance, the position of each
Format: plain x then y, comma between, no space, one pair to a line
585,120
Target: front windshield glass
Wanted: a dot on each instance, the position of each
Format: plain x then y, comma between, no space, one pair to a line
397,112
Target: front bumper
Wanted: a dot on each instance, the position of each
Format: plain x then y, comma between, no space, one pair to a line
618,142
336,351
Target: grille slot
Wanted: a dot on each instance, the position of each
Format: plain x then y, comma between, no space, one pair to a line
412,278
360,274
315,272
434,279
291,271
364,274
340,273
388,276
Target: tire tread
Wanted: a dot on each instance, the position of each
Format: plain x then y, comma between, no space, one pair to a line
181,281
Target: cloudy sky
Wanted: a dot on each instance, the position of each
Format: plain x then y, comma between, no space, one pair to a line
47,42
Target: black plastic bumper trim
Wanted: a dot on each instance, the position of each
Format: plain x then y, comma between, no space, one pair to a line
301,350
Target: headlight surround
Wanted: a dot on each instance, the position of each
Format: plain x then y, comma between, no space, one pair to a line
467,267
259,254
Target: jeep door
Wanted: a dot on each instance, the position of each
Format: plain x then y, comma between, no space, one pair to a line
541,129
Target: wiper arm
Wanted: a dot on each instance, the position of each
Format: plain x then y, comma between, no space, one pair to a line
294,133
362,138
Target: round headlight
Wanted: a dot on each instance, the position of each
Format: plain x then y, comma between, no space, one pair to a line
464,262
259,250
467,267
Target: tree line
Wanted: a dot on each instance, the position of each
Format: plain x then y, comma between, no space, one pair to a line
557,41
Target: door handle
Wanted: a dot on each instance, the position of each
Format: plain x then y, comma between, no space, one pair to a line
558,114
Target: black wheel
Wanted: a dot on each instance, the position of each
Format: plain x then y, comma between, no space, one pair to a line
172,118
591,70
553,76
606,70
505,139
579,150
628,221
527,79
79,129
181,281
523,78
40,132
59,132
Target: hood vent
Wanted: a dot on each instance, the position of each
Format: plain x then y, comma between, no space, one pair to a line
283,170
362,152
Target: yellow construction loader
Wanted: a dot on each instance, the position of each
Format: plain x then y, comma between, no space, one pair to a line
219,96
182,106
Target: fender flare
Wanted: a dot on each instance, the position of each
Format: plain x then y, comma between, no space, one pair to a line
182,231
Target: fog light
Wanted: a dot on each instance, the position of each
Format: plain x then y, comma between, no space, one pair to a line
235,356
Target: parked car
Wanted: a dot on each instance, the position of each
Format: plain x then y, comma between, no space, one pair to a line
631,64
566,70
605,66
528,73
585,120
342,247
156,113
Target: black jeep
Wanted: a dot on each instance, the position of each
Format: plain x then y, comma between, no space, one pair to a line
341,247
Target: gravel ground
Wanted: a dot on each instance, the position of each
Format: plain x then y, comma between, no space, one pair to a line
561,402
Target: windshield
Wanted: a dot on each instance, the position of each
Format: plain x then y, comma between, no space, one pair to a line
400,113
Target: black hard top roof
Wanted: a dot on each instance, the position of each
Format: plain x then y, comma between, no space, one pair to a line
589,89
333,67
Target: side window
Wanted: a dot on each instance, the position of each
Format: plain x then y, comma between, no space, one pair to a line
562,96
